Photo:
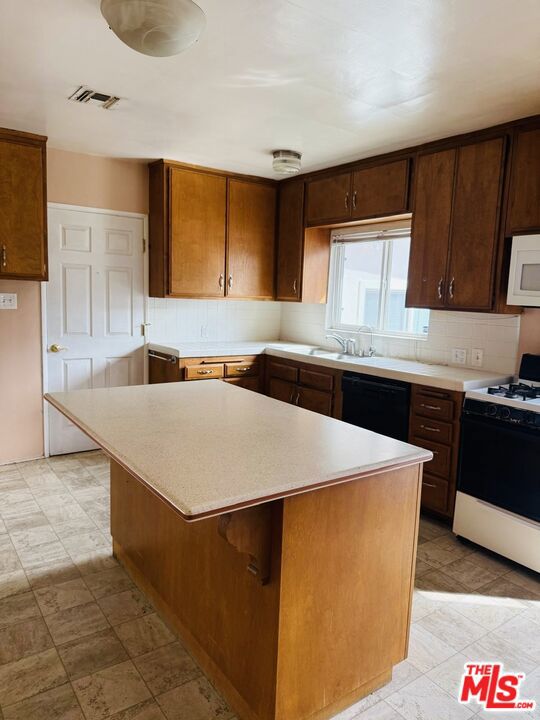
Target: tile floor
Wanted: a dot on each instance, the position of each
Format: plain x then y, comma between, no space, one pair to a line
79,642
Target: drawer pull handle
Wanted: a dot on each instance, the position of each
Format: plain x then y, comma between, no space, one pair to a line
430,407
243,369
205,372
429,429
426,484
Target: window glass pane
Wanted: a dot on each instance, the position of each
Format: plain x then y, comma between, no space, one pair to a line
362,268
399,318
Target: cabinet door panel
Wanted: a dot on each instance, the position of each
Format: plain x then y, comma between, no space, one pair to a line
328,199
251,240
524,195
282,390
197,233
380,190
315,400
431,229
22,215
475,225
290,240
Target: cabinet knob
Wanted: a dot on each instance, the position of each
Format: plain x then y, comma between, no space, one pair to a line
294,286
221,279
451,288
346,201
230,281
354,200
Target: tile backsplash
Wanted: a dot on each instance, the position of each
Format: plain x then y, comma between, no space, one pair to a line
496,335
217,320
212,320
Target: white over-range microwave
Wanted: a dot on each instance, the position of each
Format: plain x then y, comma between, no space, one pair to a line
524,277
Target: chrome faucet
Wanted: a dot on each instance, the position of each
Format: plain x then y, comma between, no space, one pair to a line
341,340
371,351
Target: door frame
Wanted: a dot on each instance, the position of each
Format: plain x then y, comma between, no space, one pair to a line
43,288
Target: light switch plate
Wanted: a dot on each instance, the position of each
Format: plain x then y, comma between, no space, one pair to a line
459,356
477,357
8,301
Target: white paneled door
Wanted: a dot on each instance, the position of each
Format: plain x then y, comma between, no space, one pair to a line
94,309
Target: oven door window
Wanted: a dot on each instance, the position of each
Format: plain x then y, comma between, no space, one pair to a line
500,463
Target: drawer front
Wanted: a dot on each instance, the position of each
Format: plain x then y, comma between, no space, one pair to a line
433,407
317,380
249,383
442,457
431,429
204,372
434,493
315,400
241,369
283,371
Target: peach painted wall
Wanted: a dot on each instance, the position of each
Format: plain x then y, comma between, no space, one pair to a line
73,179
21,409
529,336
98,182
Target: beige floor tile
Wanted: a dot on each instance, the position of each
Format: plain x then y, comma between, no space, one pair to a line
44,483
25,638
431,528
452,628
488,612
86,655
61,596
52,573
448,674
435,555
97,561
81,545
108,582
437,581
25,522
494,647
13,583
17,608
33,536
124,606
148,710
144,634
402,674
468,574
60,703
494,563
166,668
17,510
424,700
422,568
523,632
425,650
502,587
51,552
525,578
195,700
29,676
379,711
70,528
9,560
76,622
109,691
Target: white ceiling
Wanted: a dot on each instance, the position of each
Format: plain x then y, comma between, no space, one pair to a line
335,79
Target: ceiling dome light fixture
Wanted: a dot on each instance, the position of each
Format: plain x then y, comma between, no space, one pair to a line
286,162
159,28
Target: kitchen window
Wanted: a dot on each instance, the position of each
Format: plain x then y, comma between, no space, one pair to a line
368,283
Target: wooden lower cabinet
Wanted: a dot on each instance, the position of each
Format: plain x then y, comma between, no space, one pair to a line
313,388
244,371
435,425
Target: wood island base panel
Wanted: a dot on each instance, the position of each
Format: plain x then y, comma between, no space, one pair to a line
295,608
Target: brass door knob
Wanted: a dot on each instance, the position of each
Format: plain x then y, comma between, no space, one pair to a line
57,348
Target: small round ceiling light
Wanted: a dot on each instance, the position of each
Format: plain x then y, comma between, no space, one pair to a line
159,28
286,162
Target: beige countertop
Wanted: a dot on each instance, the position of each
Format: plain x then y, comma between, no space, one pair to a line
446,377
209,447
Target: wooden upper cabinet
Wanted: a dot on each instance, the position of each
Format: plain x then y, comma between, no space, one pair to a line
251,240
290,240
524,193
430,232
197,214
475,225
328,199
23,206
380,191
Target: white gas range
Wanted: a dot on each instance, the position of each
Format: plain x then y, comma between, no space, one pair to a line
498,498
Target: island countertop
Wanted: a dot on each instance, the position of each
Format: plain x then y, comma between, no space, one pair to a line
208,448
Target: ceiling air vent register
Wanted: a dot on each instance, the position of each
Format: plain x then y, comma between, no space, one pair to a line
86,95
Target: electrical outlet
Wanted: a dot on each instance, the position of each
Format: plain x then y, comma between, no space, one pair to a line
8,301
477,357
459,356
204,331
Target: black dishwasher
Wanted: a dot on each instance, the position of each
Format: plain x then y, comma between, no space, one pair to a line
377,404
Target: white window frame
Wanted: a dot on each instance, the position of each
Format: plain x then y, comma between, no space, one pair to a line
335,280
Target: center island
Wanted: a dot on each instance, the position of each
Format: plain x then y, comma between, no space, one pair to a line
279,543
